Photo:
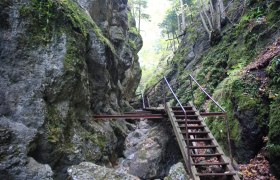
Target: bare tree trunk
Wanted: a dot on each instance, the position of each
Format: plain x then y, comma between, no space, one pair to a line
206,15
174,46
222,10
218,15
178,23
168,38
139,16
189,9
177,38
204,24
209,19
183,15
212,12
202,10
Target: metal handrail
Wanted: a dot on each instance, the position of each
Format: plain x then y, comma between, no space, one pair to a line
201,88
192,79
185,114
220,107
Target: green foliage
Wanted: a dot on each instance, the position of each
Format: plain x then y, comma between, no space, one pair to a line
274,135
274,123
138,7
217,125
42,13
47,14
54,125
169,24
274,70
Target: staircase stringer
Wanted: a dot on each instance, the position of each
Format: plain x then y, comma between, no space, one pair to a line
214,141
181,141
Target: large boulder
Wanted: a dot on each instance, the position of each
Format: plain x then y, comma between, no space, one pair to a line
90,171
150,150
177,172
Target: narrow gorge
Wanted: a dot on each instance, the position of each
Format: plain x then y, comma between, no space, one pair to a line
64,62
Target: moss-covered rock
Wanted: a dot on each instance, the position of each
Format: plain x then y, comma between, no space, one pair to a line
247,95
61,66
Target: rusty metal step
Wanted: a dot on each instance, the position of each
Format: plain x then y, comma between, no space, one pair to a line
203,147
210,164
188,112
179,108
190,121
216,174
192,127
130,116
188,116
196,133
139,112
206,155
200,139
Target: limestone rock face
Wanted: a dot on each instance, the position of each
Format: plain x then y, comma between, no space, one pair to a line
149,151
62,62
90,171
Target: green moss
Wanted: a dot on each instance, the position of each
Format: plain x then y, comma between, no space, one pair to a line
54,125
218,125
75,55
274,123
236,94
47,14
132,44
274,136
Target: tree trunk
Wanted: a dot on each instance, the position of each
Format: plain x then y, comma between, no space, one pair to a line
174,45
204,24
178,22
206,15
222,9
139,16
202,10
189,9
183,15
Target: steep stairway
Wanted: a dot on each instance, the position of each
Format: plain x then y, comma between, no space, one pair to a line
204,158
201,152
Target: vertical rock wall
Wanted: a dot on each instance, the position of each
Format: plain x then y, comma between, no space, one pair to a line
62,61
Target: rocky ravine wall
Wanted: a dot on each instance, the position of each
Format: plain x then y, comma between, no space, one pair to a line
242,73
62,61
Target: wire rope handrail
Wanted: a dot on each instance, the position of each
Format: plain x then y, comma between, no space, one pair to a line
192,79
185,116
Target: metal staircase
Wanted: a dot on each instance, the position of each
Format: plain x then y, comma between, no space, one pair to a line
202,154
203,157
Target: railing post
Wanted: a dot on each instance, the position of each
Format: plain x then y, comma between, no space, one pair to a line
191,89
148,101
188,141
228,139
143,100
164,96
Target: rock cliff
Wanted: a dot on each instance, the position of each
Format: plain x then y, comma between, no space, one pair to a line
62,61
241,70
